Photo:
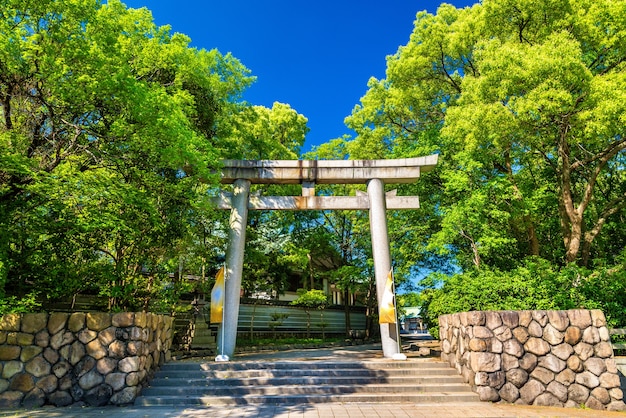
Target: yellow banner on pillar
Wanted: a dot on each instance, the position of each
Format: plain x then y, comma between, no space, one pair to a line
387,308
217,298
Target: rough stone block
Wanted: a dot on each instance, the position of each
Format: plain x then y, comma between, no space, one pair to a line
562,351
131,364
482,332
547,399
9,352
4,385
552,363
528,362
24,339
510,318
117,381
48,384
578,394
535,329
96,350
487,394
117,349
61,339
132,379
123,319
513,347
575,364
558,319
616,406
588,379
125,397
106,365
559,390
609,380
61,369
34,322
10,322
107,336
509,392
595,365
76,353
22,383
537,346
98,396
492,319
597,318
552,335
509,362
583,350
530,391
38,367
90,380
602,395
573,335
517,377
97,321
11,368
61,398
86,336
76,321
579,318
591,335
521,334
42,338
541,317
34,399
57,322
141,319
30,352
593,403
543,375
616,393
84,366
11,399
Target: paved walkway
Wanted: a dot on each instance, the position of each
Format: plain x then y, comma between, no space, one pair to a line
327,410
386,410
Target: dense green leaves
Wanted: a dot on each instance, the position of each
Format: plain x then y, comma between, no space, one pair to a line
111,133
524,103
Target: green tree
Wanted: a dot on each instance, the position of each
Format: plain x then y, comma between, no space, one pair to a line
523,102
311,299
110,133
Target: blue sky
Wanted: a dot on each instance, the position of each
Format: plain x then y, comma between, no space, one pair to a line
316,56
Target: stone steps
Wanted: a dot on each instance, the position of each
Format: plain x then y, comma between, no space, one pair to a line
303,382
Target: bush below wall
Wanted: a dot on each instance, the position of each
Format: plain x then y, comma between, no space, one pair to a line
83,358
550,358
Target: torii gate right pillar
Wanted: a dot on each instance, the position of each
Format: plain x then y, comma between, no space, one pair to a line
382,259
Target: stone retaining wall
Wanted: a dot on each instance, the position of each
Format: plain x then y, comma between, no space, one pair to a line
553,358
79,358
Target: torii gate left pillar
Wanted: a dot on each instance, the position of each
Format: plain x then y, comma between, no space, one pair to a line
374,173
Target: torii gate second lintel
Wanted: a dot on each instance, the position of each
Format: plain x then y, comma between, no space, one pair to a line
374,173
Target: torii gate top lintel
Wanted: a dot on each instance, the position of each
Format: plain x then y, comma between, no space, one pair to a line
405,170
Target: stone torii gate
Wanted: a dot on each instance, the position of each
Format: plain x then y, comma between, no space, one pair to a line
374,173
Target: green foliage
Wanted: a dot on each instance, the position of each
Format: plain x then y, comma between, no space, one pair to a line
111,133
311,299
524,104
13,304
524,117
535,285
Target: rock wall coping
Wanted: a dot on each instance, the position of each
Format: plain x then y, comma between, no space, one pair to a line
85,358
548,358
